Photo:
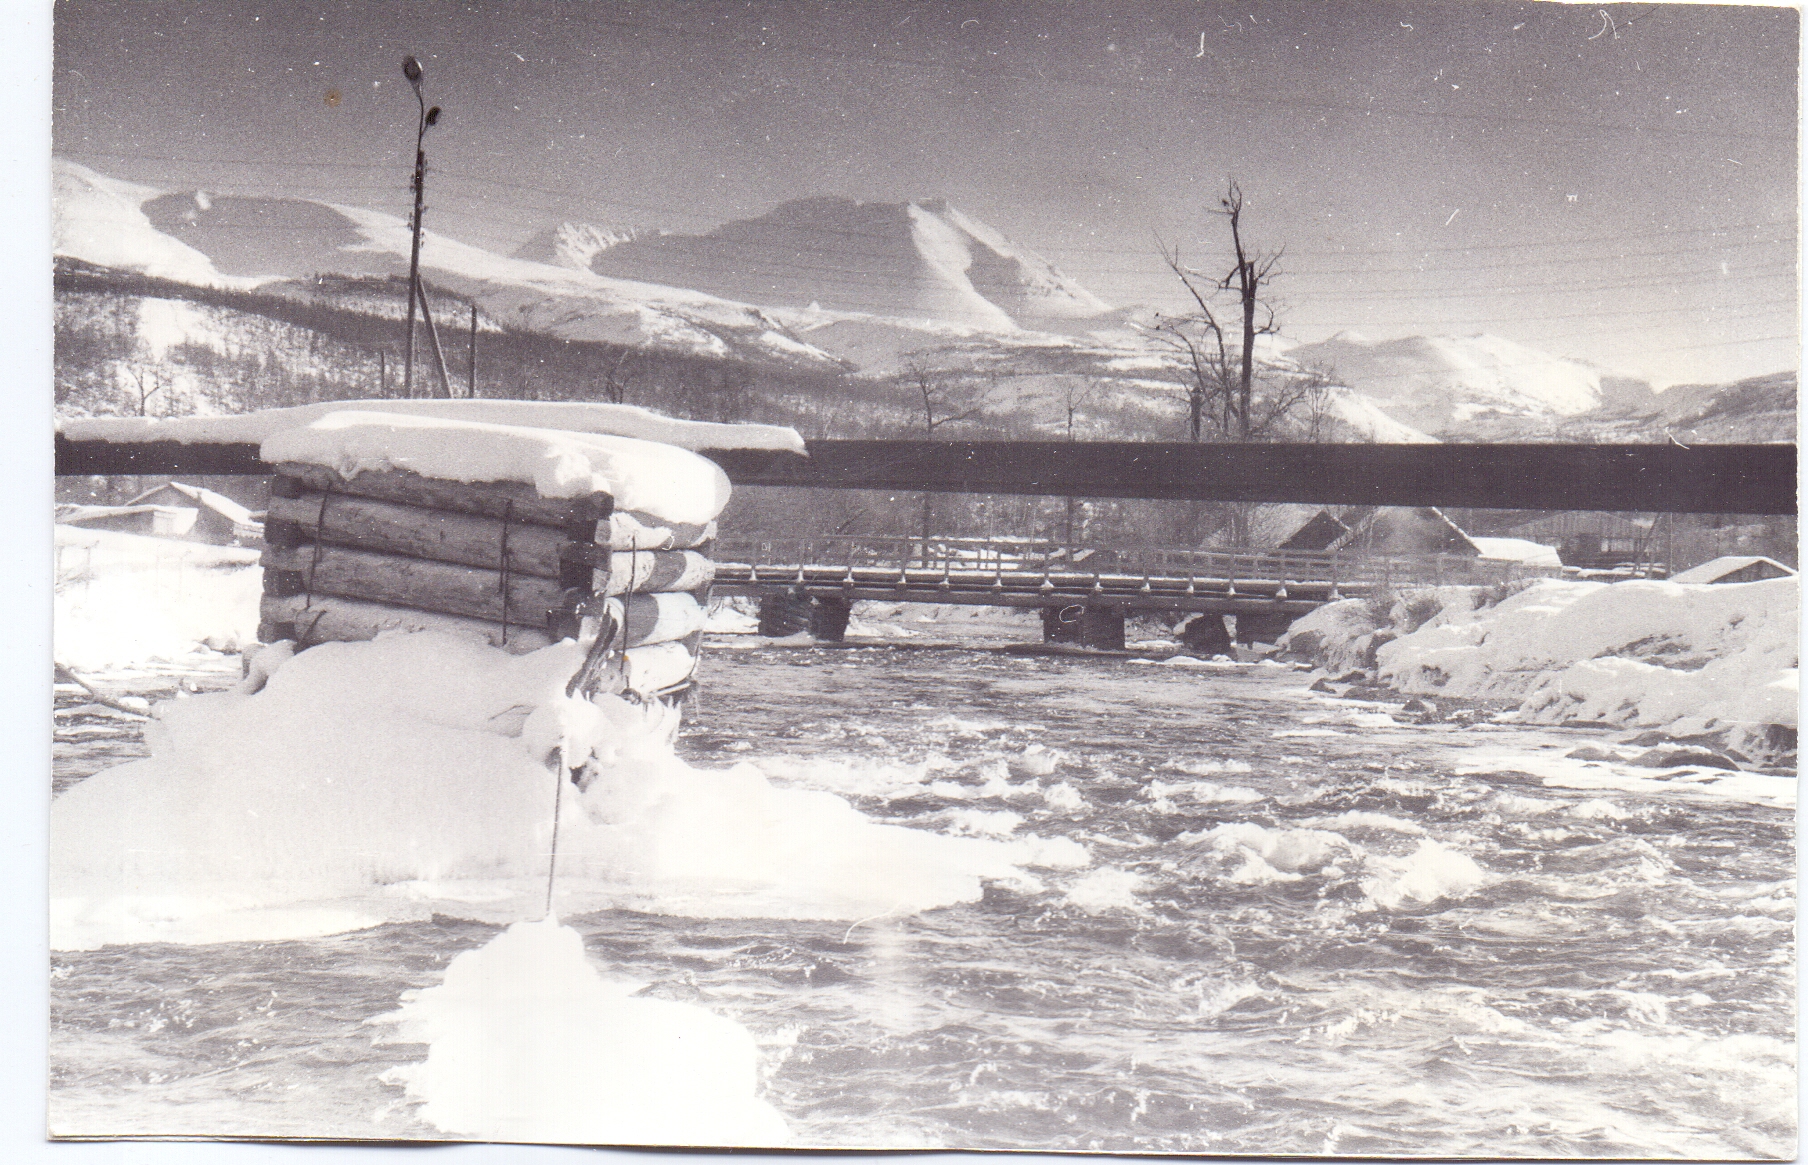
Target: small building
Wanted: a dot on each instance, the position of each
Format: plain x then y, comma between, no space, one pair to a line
1592,539
156,521
216,518
1734,568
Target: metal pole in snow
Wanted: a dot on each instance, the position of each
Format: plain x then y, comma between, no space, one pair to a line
439,355
471,368
411,69
558,800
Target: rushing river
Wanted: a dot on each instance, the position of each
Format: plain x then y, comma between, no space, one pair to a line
1310,926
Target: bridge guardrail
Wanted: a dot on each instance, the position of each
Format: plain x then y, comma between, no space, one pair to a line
999,557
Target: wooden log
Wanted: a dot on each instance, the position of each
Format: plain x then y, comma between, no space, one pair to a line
329,618
412,582
631,530
648,671
660,618
654,570
417,532
490,499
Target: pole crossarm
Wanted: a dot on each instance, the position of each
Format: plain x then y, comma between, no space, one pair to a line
1699,479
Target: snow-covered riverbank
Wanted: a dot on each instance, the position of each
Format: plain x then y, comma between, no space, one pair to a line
1706,664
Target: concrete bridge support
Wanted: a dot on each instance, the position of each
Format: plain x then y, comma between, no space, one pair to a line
1084,626
829,619
1206,635
785,613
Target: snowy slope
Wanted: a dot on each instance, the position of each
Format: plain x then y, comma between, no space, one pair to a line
1441,383
919,261
101,220
574,244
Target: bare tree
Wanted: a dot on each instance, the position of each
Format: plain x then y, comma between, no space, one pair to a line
1075,392
147,384
935,388
619,375
1221,361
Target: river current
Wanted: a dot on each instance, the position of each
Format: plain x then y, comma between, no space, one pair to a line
1310,925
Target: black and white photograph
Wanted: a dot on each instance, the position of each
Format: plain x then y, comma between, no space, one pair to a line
1174,577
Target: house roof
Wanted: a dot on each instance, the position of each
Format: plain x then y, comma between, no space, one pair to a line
1429,516
1716,569
219,503
1517,550
1317,533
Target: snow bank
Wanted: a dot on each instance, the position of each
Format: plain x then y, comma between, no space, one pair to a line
527,1042
1687,658
568,416
128,598
409,774
658,480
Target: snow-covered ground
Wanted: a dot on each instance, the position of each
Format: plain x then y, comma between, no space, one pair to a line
1693,660
124,599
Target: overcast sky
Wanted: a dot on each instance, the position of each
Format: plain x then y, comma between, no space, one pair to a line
1616,184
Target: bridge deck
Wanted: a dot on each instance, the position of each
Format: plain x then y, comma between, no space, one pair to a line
1030,574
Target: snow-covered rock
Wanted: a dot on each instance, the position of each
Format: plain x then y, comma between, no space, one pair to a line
1687,658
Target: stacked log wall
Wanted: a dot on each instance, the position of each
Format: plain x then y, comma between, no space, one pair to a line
350,558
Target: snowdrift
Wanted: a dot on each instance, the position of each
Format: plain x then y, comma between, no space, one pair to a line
1688,659
417,773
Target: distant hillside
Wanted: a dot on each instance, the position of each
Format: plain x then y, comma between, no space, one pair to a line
1444,384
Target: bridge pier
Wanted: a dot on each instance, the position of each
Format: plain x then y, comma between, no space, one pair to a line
1206,635
784,613
787,612
1084,626
829,618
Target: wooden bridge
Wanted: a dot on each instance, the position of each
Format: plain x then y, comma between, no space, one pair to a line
1084,592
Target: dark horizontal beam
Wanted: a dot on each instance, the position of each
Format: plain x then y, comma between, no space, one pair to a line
171,458
1699,479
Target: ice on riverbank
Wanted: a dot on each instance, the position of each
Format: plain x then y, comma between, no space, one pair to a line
1692,660
409,774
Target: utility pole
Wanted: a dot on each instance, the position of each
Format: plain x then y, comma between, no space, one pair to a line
471,367
411,69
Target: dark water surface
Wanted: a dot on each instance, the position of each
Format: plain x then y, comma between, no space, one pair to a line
1303,931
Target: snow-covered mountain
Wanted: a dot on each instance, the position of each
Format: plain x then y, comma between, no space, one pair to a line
230,241
828,286
1446,384
574,244
917,260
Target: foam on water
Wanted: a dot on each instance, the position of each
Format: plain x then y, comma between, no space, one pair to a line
1430,872
417,772
527,1042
